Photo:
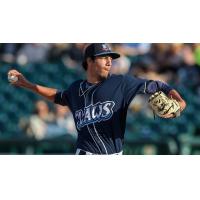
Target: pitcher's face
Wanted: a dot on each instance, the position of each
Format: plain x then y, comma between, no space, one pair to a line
102,66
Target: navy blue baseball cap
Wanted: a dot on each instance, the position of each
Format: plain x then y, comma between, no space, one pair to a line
98,49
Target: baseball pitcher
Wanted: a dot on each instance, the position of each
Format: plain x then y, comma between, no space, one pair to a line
99,104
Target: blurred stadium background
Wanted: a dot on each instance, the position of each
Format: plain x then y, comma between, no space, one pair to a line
30,125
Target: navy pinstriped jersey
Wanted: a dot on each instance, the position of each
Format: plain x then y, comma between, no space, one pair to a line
100,110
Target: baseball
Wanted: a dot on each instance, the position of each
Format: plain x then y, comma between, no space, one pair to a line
12,78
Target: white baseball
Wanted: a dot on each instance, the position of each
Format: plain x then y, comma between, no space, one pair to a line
12,78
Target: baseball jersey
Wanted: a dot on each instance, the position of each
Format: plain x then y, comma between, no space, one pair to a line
100,110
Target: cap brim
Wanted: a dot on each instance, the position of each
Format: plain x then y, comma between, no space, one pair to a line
113,55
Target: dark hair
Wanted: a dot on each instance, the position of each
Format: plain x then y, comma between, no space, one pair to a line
84,63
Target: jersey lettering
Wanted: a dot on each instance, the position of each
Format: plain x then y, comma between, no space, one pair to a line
94,113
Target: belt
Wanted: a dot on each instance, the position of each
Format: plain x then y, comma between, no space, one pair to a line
83,152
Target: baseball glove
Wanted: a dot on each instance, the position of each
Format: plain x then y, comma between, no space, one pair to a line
163,106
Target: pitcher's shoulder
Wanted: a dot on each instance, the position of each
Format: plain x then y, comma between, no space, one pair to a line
75,85
116,77
121,77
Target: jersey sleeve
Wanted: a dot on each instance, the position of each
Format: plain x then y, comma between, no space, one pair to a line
134,86
62,98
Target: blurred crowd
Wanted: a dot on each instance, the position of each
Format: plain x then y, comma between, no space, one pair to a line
47,122
22,54
170,62
174,63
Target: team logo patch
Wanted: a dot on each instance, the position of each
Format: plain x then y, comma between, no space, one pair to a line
105,47
94,113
